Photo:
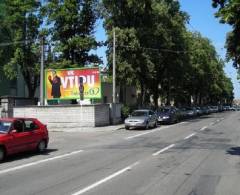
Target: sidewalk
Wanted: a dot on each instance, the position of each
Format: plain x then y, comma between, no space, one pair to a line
88,129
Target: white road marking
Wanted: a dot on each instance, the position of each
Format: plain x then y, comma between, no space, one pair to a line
141,134
202,129
163,150
190,136
90,187
39,162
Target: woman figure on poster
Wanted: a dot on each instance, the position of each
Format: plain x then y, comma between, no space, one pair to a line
56,83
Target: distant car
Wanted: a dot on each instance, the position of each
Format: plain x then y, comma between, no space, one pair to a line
226,108
205,110
191,112
22,134
167,115
182,113
141,119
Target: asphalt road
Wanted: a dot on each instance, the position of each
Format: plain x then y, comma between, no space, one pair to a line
196,157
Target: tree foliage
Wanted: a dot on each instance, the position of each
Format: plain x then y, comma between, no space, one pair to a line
228,12
156,53
146,32
21,24
72,25
208,79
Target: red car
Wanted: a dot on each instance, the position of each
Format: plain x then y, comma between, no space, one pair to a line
22,134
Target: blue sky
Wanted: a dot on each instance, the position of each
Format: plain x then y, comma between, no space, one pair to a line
201,19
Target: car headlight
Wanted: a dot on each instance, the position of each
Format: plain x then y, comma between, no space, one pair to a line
165,117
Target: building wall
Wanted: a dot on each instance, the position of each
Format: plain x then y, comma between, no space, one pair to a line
129,94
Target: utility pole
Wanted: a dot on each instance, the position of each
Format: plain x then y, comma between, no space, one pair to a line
42,73
114,66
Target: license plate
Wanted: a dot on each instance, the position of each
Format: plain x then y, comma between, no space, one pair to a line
133,124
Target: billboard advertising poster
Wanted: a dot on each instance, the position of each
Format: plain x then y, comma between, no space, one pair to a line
70,83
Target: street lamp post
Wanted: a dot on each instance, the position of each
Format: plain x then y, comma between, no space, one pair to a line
42,73
114,78
114,66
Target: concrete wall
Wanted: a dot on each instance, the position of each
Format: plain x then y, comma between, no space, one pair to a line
67,116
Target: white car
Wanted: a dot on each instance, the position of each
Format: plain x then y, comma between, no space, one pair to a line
141,119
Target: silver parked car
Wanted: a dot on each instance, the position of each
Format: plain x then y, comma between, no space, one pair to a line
142,119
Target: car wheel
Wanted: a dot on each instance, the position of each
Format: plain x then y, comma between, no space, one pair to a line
42,146
126,127
2,153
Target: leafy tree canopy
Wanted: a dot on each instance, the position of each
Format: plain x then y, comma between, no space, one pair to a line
72,24
228,12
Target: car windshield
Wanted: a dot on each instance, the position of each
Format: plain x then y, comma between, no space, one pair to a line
4,126
140,113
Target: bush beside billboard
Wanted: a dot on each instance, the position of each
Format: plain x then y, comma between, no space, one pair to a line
65,83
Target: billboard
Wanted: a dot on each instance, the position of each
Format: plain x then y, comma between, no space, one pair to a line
68,83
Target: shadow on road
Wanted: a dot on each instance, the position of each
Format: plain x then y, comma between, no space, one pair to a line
26,155
234,151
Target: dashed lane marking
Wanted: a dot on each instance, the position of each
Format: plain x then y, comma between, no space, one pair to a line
163,150
104,180
189,136
39,162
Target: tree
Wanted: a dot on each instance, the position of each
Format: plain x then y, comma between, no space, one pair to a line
207,80
228,12
22,23
5,50
146,32
5,38
72,24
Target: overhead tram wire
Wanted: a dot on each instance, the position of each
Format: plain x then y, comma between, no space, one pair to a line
156,50
14,42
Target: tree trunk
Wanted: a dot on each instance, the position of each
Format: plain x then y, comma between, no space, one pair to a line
143,95
155,99
31,84
31,92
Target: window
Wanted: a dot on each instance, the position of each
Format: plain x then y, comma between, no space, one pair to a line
151,113
30,125
18,126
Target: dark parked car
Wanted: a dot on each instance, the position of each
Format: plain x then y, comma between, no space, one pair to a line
205,110
141,119
199,111
182,113
168,115
22,134
191,112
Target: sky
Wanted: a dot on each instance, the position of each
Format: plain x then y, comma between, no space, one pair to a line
202,19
